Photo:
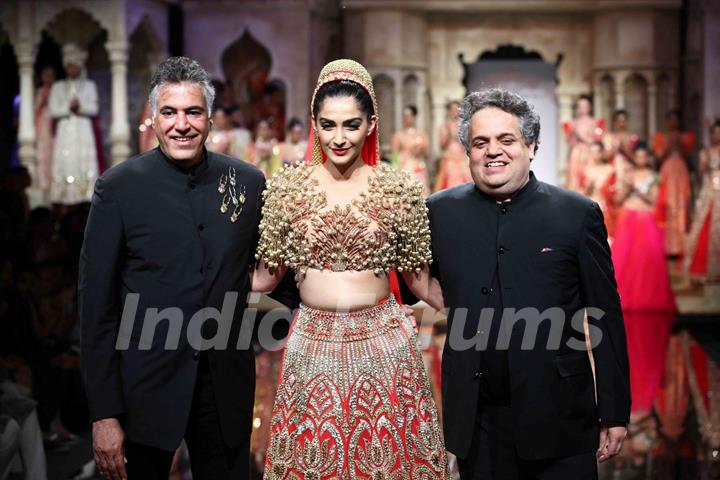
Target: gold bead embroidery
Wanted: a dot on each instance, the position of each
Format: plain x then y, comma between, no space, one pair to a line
383,229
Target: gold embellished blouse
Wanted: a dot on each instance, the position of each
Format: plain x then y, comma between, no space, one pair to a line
385,228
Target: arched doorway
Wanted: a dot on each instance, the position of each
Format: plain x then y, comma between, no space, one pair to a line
527,73
79,27
636,104
246,64
606,97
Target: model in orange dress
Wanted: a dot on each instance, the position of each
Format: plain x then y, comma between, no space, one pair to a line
581,133
413,148
673,148
619,145
454,167
599,183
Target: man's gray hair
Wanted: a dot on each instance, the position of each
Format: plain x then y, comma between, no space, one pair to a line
178,70
507,101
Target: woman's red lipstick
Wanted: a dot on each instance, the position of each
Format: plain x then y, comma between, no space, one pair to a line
340,151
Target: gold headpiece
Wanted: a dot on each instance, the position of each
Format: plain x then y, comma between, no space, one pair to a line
345,69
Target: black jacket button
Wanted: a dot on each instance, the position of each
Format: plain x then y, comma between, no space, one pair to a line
501,249
484,290
196,355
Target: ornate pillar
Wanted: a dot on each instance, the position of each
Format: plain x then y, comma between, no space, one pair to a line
422,121
439,115
119,128
619,80
565,114
25,58
398,93
598,100
26,131
651,103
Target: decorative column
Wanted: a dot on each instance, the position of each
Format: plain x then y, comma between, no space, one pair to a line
420,95
598,99
119,128
398,93
439,115
26,131
565,114
651,103
25,58
619,80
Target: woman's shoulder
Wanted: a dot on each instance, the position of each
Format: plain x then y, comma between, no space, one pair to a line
292,177
394,182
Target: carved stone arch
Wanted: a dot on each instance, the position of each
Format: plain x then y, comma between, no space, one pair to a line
636,103
508,51
512,49
606,96
91,31
384,85
664,102
246,64
145,33
64,27
410,90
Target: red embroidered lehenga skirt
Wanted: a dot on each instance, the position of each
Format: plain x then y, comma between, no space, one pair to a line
354,401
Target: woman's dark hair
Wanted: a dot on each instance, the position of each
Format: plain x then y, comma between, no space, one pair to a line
588,98
292,123
642,145
619,112
715,124
344,88
413,109
674,112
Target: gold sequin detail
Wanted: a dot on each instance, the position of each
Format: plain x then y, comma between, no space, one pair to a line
385,228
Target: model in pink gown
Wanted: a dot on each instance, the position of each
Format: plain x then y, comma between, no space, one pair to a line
647,299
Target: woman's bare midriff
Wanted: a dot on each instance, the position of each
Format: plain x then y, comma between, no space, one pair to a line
342,291
637,203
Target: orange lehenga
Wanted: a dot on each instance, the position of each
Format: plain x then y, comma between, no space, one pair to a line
580,140
673,203
454,166
412,147
353,398
604,193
